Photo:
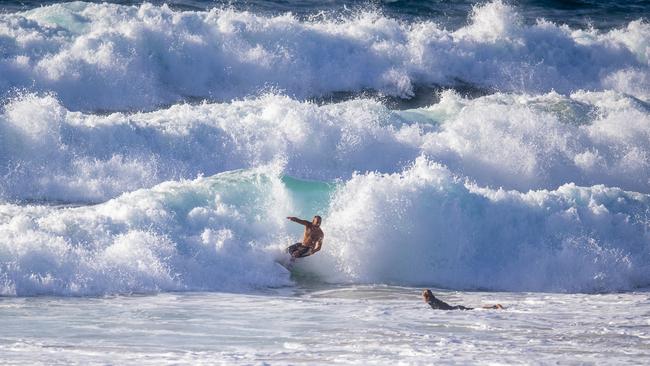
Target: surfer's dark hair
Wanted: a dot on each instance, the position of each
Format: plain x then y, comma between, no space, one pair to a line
320,219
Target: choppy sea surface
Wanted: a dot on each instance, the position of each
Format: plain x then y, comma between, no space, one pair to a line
376,325
496,151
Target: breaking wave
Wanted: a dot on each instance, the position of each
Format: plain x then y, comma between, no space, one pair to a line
420,226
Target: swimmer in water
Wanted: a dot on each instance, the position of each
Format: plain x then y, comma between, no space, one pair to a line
438,304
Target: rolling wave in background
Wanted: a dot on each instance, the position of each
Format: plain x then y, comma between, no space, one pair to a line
116,57
144,149
515,141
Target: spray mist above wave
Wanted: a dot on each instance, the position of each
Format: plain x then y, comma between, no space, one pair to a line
420,226
424,226
109,57
515,141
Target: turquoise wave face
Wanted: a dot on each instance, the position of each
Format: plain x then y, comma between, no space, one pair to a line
313,196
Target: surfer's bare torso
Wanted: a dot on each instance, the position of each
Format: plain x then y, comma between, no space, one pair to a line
312,237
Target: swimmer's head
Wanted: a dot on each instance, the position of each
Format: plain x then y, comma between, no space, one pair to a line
427,295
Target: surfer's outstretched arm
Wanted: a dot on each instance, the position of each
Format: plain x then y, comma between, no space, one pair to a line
299,221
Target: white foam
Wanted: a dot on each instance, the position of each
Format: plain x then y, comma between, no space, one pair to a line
107,56
219,233
424,226
515,141
529,142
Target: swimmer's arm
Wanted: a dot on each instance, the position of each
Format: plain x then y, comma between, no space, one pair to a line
299,221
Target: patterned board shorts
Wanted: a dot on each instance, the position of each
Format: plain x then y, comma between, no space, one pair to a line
298,250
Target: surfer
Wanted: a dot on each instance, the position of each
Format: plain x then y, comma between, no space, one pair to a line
438,304
312,239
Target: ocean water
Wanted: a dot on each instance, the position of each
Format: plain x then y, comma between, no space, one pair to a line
375,325
494,151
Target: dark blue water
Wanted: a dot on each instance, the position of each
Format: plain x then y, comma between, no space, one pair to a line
582,14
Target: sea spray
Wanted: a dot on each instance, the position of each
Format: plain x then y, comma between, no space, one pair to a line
424,227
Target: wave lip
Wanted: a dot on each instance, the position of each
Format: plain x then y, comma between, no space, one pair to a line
113,57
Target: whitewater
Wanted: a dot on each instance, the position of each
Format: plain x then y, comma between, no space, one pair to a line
150,154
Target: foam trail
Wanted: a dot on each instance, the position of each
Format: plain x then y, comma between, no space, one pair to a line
114,57
424,226
516,141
